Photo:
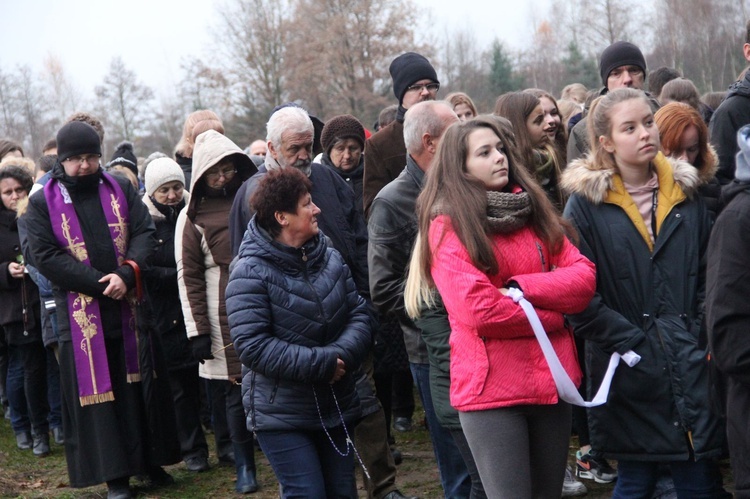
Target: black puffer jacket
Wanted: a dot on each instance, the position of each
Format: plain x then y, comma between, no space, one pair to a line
649,300
290,320
728,320
16,295
161,281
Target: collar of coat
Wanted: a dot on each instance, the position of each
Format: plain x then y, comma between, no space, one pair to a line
678,180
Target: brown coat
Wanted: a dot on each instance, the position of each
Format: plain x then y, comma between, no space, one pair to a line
203,255
385,159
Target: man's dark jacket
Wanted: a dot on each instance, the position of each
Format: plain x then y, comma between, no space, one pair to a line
729,117
392,229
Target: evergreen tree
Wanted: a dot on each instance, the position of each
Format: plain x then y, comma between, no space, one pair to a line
579,68
502,76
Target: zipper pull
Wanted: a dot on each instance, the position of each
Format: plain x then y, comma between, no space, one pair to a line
304,254
541,255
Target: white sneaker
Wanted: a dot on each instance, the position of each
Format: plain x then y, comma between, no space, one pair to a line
572,487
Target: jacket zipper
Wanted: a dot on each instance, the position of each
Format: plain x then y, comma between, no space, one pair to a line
541,256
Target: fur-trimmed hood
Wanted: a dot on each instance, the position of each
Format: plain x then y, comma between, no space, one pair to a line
584,178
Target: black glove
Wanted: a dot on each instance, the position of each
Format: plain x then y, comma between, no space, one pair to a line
201,347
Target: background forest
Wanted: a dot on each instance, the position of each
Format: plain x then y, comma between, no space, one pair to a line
332,57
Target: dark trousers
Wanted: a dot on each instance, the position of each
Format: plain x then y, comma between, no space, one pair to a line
3,370
454,475
692,479
217,401
27,388
306,463
371,440
477,491
184,384
403,394
54,399
520,451
234,413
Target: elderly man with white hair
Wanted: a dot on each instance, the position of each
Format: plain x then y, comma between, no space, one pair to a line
290,136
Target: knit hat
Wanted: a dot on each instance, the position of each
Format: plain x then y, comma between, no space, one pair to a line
77,138
408,69
160,171
124,156
620,54
342,127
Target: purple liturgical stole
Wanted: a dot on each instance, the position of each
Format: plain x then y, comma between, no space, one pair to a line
92,370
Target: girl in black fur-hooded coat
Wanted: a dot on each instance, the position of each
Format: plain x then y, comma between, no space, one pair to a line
642,224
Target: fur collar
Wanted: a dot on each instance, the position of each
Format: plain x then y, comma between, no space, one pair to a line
582,177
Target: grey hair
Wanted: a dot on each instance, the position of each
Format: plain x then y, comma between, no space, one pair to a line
288,119
422,118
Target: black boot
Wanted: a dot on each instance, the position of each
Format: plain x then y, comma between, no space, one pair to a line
119,488
244,460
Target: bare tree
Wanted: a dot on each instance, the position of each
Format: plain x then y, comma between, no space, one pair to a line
252,39
38,126
123,101
10,112
339,52
63,94
696,39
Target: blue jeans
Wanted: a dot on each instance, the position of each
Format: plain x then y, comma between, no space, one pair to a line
54,399
693,480
454,475
307,465
27,388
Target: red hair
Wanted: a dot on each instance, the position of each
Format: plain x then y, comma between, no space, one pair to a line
672,121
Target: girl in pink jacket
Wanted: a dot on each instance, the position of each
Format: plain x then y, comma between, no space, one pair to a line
485,226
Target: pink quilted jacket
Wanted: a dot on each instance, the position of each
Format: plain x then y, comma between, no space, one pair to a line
495,359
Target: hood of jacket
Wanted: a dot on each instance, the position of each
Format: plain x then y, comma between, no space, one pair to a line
741,87
678,180
597,185
210,148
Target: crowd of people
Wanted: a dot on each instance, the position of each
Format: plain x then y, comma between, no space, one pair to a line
293,294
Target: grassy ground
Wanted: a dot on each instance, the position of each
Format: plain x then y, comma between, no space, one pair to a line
26,476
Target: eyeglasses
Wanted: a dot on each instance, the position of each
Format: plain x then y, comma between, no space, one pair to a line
91,159
431,87
226,173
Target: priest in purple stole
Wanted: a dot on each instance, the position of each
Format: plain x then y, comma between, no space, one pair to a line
90,234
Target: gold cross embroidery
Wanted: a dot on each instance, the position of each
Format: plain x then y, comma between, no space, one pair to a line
88,328
78,250
121,227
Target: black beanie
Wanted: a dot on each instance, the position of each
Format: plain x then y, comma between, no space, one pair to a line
342,127
77,138
408,69
620,54
124,156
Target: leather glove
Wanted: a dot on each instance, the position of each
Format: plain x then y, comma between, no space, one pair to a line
201,347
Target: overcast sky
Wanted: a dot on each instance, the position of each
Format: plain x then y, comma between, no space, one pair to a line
152,36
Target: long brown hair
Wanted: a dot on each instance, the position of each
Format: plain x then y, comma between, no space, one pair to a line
516,108
450,190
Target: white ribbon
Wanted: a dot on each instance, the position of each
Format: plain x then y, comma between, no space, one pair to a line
566,389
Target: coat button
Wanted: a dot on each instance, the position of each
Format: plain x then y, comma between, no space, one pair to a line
676,423
678,215
25,333
174,321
